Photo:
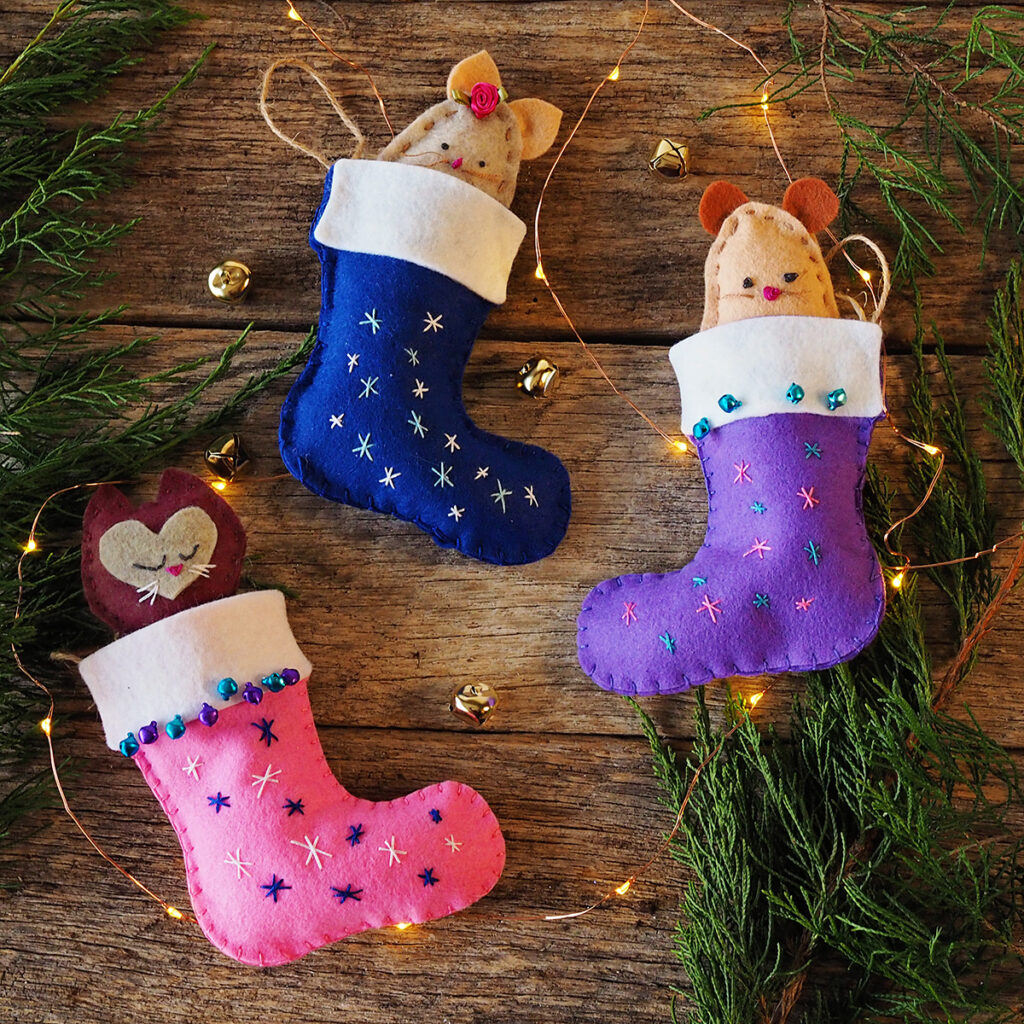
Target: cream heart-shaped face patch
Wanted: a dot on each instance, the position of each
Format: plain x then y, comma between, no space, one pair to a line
160,564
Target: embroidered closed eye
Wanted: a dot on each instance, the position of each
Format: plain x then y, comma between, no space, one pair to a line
748,282
154,568
190,555
790,277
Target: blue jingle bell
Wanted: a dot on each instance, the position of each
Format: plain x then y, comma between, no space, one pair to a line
729,403
701,428
227,688
834,399
175,728
795,394
274,683
129,745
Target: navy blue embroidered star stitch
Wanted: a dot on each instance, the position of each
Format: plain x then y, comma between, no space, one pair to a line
274,887
348,893
428,876
266,736
219,801
293,807
355,835
435,816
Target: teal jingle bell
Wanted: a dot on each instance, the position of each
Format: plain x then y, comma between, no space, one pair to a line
729,403
795,394
227,688
175,728
701,428
835,399
129,746
274,682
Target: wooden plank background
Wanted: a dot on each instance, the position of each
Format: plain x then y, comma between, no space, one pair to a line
392,623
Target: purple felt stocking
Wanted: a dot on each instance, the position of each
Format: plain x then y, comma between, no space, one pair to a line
781,409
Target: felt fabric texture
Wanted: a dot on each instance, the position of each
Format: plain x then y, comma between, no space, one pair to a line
758,362
376,418
414,214
280,858
765,260
159,535
172,667
787,579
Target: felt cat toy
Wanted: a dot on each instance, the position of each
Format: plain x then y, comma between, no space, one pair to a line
780,397
415,248
209,699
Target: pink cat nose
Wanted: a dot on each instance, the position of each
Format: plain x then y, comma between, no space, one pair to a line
770,292
175,570
457,163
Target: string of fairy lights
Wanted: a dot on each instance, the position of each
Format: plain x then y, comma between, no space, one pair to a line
764,103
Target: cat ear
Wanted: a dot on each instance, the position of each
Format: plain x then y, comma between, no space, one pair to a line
478,68
107,505
181,484
538,122
719,200
812,202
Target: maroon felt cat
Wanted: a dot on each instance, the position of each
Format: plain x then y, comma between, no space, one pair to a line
142,564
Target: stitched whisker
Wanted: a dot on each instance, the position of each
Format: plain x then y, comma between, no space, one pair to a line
202,569
148,591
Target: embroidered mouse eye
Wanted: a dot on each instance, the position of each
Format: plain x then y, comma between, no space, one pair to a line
190,555
154,568
790,278
748,283
483,163
444,145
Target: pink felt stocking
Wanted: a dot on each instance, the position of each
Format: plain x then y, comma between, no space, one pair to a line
211,704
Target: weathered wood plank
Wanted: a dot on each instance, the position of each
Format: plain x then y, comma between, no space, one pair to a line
623,248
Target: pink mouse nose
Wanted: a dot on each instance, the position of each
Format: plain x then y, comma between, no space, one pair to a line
457,163
175,570
770,292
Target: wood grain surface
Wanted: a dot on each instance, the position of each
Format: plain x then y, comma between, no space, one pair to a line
391,623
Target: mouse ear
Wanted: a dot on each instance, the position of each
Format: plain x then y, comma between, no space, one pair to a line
812,202
719,200
480,67
538,123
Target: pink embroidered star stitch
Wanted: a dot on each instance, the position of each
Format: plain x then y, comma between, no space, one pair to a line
804,603
760,546
809,499
742,476
629,615
713,608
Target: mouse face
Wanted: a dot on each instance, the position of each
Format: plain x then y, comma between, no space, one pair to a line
477,135
764,260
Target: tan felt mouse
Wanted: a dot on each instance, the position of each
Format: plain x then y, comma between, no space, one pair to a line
765,260
477,134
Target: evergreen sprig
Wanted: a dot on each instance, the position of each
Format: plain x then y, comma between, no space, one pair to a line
864,867
73,408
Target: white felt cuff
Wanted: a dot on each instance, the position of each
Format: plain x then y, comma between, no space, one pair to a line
173,666
756,361
423,216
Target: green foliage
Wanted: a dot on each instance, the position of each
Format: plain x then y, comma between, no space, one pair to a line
864,866
72,405
957,86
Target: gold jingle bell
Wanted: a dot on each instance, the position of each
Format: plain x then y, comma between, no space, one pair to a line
229,281
670,159
226,457
474,702
538,378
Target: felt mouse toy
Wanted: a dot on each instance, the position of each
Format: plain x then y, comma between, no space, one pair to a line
208,696
415,248
780,397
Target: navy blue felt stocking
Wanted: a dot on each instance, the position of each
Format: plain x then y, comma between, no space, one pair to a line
412,262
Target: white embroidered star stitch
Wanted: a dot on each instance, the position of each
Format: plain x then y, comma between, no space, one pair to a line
192,768
481,472
262,780
313,853
421,389
452,444
452,843
338,421
389,477
433,323
414,356
353,361
235,860
456,513
394,856
531,498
